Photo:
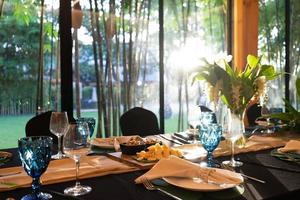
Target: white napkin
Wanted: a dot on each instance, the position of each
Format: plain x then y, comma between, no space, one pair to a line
177,167
291,146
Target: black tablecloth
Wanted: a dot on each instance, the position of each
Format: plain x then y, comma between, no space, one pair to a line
280,184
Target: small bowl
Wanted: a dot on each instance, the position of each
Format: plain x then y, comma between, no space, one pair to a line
132,149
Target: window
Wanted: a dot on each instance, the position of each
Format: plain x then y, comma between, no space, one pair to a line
271,45
29,79
193,30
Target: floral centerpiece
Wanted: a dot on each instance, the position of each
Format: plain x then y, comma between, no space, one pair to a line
236,87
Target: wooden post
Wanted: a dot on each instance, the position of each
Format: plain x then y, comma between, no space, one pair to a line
245,31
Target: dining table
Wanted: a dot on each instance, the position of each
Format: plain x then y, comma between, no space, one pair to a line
281,179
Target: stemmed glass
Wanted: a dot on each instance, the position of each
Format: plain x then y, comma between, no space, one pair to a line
210,137
35,154
90,121
194,116
76,144
233,134
265,113
58,126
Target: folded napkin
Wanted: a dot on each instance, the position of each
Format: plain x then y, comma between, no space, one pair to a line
291,146
267,140
177,167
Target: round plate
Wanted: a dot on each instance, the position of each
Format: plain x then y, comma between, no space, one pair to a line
190,184
289,156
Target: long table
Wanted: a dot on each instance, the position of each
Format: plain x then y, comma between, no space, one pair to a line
282,182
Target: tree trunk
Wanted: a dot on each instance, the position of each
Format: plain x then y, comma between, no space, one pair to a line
99,127
1,7
40,79
77,73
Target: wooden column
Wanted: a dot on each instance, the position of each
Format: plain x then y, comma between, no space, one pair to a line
245,19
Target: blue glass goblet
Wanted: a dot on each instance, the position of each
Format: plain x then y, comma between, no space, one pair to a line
35,154
210,137
90,121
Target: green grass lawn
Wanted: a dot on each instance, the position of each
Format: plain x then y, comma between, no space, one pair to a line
13,127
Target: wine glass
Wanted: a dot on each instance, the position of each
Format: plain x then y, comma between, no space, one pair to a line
35,154
58,126
90,121
76,143
210,138
265,113
194,116
233,134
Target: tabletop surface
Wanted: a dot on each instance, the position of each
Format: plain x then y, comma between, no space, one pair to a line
282,182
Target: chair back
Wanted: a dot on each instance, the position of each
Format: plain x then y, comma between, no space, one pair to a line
39,126
139,121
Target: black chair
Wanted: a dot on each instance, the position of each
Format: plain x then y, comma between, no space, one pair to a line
139,121
39,125
253,112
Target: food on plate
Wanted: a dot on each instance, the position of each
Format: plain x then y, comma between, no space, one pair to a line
134,141
158,151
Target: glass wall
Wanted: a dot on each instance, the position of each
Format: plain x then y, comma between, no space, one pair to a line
29,77
271,45
294,50
115,59
193,30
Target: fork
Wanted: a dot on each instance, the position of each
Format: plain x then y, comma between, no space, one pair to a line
242,174
149,186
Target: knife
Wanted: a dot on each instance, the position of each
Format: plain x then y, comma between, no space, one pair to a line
170,140
180,139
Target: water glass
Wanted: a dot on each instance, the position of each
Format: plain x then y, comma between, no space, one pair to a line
90,121
76,143
210,137
35,154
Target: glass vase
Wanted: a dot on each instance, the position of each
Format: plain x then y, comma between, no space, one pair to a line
235,135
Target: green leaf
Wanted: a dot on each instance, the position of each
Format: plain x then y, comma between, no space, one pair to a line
268,71
298,86
252,60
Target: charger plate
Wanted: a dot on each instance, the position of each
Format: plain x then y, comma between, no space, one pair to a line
288,156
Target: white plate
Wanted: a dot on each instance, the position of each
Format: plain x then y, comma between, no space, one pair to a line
192,152
190,184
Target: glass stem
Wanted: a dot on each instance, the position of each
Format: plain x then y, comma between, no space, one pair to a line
77,162
209,159
35,186
59,144
232,151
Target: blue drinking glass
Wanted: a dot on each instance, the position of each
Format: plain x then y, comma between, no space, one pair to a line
35,154
210,138
90,121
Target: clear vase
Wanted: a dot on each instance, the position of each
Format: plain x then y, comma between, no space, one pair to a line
235,135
